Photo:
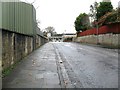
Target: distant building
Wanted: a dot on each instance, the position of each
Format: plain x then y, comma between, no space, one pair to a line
68,37
106,0
48,35
62,37
56,38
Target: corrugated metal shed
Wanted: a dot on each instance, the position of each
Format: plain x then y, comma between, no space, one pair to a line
0,15
19,17
39,32
9,0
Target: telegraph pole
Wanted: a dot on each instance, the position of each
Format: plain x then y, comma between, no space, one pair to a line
97,27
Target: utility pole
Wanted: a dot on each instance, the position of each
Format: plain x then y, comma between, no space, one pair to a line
93,9
96,19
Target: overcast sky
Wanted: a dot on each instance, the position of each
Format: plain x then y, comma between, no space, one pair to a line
61,14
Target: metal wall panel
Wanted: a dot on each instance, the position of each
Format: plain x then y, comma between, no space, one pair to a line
8,16
34,20
19,17
0,14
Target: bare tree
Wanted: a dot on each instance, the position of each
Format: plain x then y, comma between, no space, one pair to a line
93,11
50,30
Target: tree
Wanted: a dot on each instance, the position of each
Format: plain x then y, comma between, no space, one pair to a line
93,11
92,14
118,11
50,30
82,22
110,17
104,8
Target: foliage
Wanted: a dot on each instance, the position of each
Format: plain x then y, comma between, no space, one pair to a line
104,8
110,17
118,11
93,10
8,70
80,24
92,14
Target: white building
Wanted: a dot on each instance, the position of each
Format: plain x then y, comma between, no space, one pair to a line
106,0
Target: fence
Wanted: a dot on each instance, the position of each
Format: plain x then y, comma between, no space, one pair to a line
111,28
107,35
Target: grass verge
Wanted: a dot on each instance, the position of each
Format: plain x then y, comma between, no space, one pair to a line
8,70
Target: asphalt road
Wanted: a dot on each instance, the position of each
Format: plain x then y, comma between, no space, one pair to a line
89,66
66,65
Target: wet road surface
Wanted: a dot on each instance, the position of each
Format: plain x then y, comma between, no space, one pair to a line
66,65
89,66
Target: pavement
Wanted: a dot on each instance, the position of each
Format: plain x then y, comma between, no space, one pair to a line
66,65
38,70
